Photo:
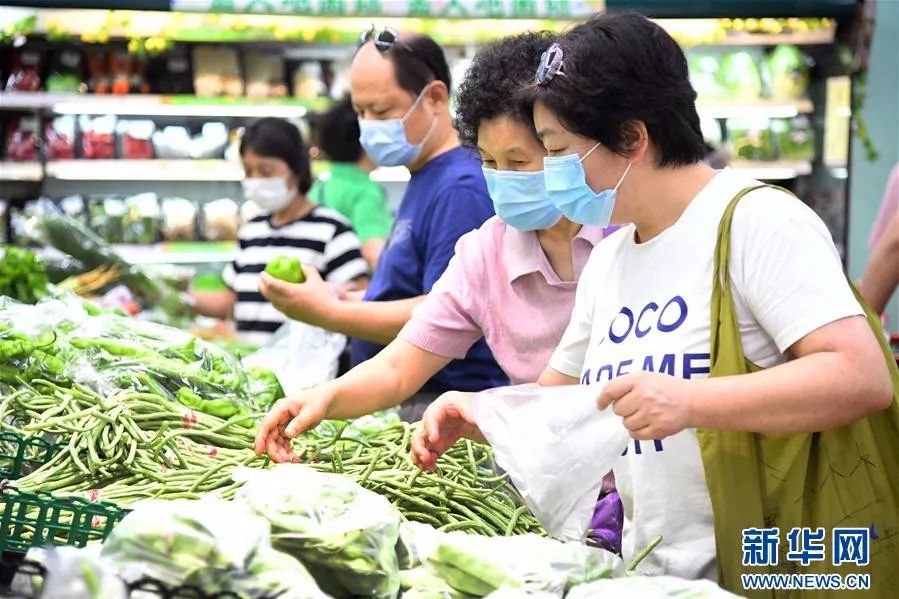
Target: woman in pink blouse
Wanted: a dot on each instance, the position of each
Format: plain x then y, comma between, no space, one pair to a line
881,276
512,281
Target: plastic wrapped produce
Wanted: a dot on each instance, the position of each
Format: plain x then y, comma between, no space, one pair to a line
66,72
141,223
179,219
221,220
795,138
739,76
97,136
22,139
59,138
477,566
343,533
181,541
751,139
786,73
80,574
135,139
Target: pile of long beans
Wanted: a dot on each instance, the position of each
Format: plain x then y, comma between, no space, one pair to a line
129,446
464,494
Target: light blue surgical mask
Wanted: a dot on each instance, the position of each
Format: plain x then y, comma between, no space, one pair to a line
566,186
520,199
385,140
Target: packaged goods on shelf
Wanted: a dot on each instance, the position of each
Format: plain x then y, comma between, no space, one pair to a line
172,142
170,73
25,73
59,138
179,219
98,79
66,72
307,81
217,72
751,138
704,67
211,141
97,136
221,220
786,73
136,139
739,76
22,139
141,223
107,218
264,75
795,138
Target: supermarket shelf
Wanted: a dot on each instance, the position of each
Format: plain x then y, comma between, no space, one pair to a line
178,253
145,170
153,105
810,38
21,171
774,170
760,108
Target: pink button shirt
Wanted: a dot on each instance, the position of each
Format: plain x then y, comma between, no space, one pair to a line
500,285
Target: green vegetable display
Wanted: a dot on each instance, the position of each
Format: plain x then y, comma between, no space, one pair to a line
23,276
286,268
739,76
786,73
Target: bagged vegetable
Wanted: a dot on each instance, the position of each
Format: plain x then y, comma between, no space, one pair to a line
79,574
23,276
300,355
478,565
739,76
271,573
786,73
566,420
185,542
650,587
343,533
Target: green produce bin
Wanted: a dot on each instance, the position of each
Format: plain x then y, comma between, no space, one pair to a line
21,455
40,519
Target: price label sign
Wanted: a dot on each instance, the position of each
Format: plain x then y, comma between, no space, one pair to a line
449,9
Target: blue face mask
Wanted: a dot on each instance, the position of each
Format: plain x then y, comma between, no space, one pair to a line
520,199
566,185
385,141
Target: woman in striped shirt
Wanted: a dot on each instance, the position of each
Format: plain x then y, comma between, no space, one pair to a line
278,177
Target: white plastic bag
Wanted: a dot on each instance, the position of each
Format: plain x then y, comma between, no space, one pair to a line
300,355
556,446
80,574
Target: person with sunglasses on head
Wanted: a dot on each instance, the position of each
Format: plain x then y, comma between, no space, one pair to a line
616,113
400,87
511,282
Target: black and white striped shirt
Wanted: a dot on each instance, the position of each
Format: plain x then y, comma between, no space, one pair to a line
323,239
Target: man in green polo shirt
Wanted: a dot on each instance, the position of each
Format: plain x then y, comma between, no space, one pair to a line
348,189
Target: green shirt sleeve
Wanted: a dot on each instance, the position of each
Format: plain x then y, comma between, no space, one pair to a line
370,216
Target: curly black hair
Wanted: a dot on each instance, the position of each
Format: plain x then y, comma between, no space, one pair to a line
494,80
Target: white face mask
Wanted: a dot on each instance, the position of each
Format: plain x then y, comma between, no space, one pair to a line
271,195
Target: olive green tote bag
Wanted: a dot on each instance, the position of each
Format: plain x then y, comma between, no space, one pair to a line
848,477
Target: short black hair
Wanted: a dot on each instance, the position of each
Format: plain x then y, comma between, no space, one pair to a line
337,133
620,68
492,84
417,61
277,138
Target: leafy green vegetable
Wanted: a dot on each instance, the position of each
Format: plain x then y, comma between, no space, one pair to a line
23,276
739,75
786,73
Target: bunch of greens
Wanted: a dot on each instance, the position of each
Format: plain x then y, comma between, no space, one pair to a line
23,276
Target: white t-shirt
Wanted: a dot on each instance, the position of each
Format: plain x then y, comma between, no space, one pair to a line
647,307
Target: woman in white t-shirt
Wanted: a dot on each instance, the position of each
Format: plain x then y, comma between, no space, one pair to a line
616,113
